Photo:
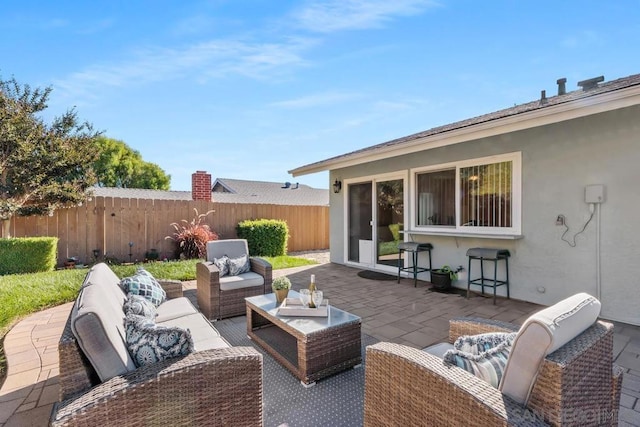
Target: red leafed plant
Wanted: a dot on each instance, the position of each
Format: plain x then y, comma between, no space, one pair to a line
192,236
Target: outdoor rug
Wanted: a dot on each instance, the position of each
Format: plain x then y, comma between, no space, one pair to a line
334,401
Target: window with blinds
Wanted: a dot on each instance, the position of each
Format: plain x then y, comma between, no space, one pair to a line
485,195
480,195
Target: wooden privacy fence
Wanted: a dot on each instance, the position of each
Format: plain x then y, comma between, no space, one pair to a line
110,224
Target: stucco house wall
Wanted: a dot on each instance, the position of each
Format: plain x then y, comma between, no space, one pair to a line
558,161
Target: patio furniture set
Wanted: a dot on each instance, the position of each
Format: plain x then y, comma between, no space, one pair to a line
558,368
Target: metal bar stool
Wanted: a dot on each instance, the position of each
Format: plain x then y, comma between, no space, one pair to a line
487,254
414,248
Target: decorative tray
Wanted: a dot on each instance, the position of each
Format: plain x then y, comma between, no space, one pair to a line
293,307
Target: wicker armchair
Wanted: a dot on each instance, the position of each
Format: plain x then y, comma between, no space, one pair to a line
576,385
222,297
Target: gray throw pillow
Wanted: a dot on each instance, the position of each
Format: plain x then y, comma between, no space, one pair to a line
239,265
140,306
150,343
223,265
144,284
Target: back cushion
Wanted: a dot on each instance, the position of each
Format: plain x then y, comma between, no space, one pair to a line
97,323
233,248
541,334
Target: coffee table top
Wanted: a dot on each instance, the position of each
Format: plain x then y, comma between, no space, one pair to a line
305,325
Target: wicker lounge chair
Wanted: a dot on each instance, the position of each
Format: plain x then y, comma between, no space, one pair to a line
222,297
575,385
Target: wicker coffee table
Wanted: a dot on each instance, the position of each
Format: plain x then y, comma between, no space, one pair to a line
310,347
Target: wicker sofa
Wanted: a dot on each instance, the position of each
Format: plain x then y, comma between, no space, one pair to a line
576,384
215,385
220,296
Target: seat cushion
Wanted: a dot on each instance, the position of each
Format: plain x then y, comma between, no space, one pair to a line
541,334
174,308
204,335
97,322
233,248
245,280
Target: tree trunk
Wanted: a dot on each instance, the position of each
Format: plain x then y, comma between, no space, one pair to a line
6,228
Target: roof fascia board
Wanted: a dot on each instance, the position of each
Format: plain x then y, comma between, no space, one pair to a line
544,116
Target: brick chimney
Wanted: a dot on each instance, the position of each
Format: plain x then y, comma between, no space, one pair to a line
201,186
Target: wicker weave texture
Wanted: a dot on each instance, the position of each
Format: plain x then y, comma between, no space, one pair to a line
309,357
210,388
577,385
215,303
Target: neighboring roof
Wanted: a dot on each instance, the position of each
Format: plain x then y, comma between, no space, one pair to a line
276,193
605,97
141,193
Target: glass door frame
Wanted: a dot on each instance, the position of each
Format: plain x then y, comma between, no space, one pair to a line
374,179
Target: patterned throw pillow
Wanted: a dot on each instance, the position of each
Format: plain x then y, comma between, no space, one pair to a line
140,306
150,343
239,265
143,284
488,366
476,344
223,265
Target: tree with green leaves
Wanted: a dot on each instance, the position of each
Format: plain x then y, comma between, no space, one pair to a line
120,166
43,166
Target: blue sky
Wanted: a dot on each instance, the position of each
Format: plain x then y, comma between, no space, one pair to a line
249,89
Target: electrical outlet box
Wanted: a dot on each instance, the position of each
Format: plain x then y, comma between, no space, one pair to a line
594,193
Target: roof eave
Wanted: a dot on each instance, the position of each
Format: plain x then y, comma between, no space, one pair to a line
544,116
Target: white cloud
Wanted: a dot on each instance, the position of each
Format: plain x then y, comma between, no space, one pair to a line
202,61
316,100
335,15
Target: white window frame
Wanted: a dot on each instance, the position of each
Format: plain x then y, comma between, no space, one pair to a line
516,196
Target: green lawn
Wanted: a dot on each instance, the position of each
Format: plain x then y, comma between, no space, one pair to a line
23,294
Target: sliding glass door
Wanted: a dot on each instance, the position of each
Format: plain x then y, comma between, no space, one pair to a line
375,219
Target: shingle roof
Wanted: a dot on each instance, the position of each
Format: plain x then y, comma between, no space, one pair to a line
243,192
276,193
141,193
576,95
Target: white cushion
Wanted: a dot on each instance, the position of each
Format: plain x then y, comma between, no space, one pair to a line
174,308
233,248
438,349
244,280
204,335
543,333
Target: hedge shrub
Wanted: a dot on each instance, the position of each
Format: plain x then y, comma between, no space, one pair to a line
27,255
265,237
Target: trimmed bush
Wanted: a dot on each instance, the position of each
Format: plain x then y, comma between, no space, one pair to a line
27,255
265,237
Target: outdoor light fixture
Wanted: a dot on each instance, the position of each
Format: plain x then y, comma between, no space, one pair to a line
337,185
130,247
96,254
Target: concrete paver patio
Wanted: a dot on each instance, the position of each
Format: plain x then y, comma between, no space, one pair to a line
401,313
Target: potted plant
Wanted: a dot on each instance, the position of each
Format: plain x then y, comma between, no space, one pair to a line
441,278
281,286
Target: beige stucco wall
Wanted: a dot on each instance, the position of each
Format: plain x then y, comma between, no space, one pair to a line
558,161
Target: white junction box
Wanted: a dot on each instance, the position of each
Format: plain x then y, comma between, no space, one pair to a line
594,193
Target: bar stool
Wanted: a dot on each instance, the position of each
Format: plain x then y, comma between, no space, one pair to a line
488,254
414,248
